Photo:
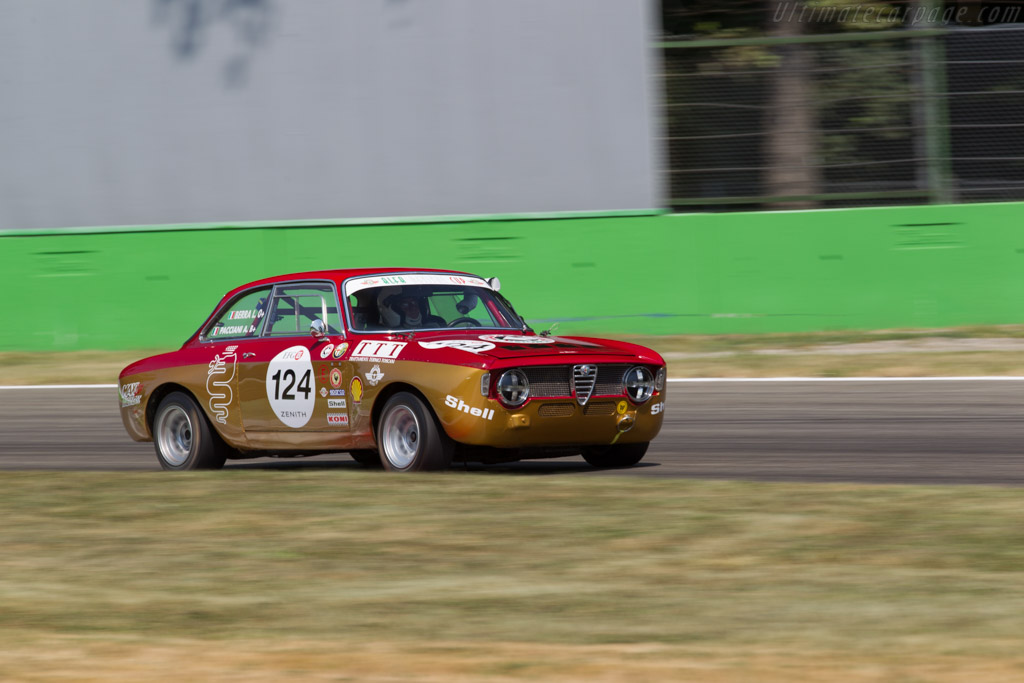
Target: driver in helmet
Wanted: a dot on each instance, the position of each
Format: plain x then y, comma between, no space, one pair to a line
403,309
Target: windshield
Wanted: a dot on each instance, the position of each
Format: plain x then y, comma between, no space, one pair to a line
439,305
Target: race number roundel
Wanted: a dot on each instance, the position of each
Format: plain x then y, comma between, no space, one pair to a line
290,389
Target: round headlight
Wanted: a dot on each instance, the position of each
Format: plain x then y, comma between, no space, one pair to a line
639,384
513,388
659,380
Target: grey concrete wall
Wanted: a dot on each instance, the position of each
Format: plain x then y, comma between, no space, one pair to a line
125,112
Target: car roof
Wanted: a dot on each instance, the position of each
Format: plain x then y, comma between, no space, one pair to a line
339,275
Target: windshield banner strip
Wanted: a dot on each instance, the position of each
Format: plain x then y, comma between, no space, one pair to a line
353,286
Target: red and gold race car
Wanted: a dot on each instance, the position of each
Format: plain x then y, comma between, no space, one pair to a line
405,368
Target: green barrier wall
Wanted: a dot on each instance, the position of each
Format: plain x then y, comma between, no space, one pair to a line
929,266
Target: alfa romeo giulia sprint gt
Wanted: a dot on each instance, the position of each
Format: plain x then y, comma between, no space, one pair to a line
402,368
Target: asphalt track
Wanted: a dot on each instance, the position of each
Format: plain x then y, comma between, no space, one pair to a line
927,432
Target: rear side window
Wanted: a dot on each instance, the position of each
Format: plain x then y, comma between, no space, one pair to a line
243,318
296,306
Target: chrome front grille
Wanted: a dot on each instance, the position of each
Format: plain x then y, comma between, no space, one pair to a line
584,377
555,381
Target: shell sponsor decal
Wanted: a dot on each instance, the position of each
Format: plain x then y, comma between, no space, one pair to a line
335,377
290,386
460,405
340,350
374,376
657,408
471,345
131,394
516,339
377,351
336,403
357,390
326,351
218,382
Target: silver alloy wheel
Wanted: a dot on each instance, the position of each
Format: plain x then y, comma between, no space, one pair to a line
174,434
400,436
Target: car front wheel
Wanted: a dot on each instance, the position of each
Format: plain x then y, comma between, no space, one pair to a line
183,437
409,438
619,455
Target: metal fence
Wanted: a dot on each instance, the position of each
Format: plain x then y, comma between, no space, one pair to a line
898,116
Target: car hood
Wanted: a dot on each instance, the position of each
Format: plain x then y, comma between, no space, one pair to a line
508,345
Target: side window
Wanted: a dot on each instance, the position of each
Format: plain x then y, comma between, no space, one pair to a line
296,306
243,317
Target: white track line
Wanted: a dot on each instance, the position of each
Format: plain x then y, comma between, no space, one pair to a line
61,386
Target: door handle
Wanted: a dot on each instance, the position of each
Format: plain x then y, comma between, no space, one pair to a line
248,354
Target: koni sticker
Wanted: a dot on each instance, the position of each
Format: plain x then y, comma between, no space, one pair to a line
337,419
357,390
516,339
471,345
326,351
335,377
377,351
374,376
218,383
340,350
459,404
290,386
131,394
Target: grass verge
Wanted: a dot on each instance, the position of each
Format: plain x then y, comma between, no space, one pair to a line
363,576
994,350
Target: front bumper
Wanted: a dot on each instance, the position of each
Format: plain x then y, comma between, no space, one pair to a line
555,422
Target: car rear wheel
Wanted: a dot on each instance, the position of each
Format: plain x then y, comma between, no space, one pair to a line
409,437
183,437
619,455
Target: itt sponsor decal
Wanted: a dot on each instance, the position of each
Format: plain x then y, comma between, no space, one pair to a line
377,351
459,404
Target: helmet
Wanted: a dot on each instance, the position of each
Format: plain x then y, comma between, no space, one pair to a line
398,308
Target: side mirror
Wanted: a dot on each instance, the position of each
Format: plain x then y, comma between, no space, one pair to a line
318,329
495,283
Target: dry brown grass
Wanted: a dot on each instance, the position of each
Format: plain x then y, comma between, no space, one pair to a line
281,575
128,660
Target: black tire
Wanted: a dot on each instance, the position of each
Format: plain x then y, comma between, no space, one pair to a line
409,437
619,455
183,437
369,459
